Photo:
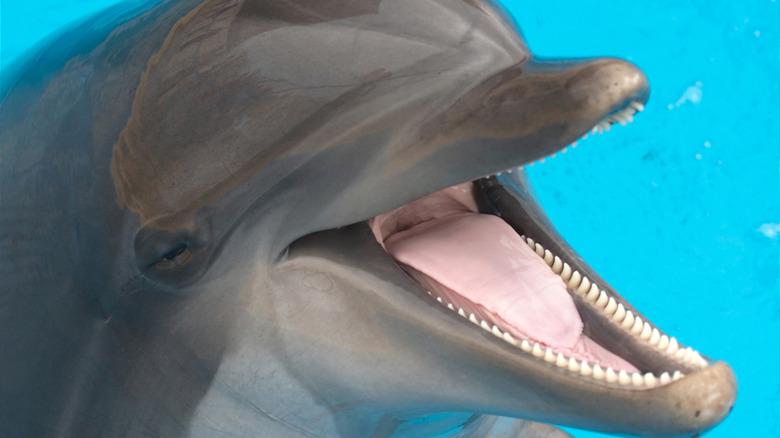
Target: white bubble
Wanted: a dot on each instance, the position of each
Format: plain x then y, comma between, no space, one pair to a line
692,94
770,230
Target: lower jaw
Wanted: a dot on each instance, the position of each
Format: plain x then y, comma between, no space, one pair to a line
589,359
585,349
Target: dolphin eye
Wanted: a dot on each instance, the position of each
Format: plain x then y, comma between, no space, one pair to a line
175,258
179,255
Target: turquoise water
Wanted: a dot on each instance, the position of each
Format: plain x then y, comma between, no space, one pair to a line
680,210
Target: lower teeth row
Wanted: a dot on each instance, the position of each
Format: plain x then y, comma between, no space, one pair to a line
598,298
582,367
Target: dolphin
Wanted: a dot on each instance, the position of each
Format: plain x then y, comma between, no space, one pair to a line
309,218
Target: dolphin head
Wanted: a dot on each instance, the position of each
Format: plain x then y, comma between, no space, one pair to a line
274,157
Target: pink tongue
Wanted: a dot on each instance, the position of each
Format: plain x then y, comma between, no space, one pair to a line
481,258
479,263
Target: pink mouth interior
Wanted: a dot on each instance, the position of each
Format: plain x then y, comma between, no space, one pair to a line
478,262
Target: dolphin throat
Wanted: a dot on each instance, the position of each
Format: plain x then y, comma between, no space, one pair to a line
481,265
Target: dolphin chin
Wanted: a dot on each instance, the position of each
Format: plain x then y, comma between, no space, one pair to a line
235,218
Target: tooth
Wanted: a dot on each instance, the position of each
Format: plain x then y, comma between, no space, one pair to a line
620,314
461,312
566,272
537,350
594,289
677,375
557,265
525,345
510,339
637,327
473,319
611,375
611,307
574,145
693,357
553,155
665,378
531,242
439,299
655,337
598,373
564,150
650,379
603,300
548,257
549,356
673,346
539,250
497,332
484,325
663,344
450,306
680,354
699,360
575,280
561,361
584,287
638,105
623,377
629,321
647,331
586,369
637,379
574,366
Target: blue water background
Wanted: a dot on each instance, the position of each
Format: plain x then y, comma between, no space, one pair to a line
680,210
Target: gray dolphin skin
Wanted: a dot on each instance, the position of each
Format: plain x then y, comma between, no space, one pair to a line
205,209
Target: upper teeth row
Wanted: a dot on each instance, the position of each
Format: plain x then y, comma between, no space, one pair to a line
597,297
577,366
623,116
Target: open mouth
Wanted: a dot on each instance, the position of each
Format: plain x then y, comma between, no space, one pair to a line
482,251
